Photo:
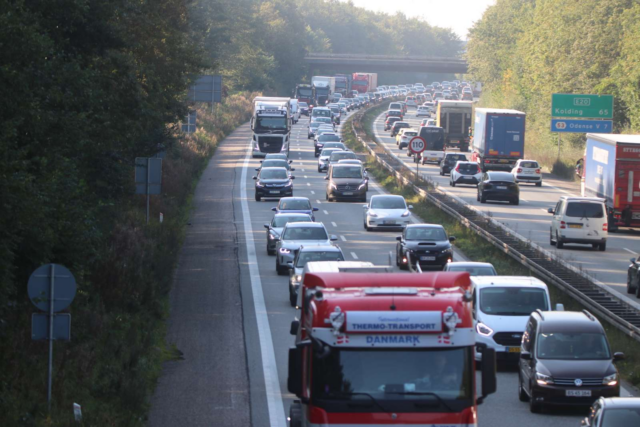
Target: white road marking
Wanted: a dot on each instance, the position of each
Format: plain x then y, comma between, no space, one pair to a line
544,210
344,239
308,185
325,212
275,404
306,177
313,192
302,170
630,251
353,254
318,202
334,224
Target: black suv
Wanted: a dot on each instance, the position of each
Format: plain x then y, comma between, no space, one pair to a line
565,359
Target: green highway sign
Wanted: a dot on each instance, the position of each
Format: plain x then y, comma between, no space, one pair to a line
583,106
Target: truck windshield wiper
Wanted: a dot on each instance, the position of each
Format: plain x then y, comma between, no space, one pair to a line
423,393
348,393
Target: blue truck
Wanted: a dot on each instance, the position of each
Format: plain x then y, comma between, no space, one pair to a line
498,138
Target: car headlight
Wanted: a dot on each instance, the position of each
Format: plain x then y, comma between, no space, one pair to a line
298,278
610,380
361,186
285,251
273,236
372,214
289,184
258,184
332,185
484,329
543,379
406,214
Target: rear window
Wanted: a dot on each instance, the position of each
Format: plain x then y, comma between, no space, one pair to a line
295,205
529,165
468,168
410,133
328,137
585,210
501,176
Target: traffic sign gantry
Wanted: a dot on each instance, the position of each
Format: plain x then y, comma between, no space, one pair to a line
417,145
582,106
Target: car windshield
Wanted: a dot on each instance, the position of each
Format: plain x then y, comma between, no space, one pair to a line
456,158
388,203
305,233
275,164
304,104
274,174
272,123
339,156
393,119
475,271
323,120
280,221
585,210
426,233
529,165
347,172
321,113
501,176
621,417
512,300
573,346
410,134
295,205
334,144
329,138
390,377
306,257
276,157
314,125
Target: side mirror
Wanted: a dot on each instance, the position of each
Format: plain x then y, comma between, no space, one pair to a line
584,422
257,169
274,209
292,169
292,177
316,209
365,206
489,381
334,237
551,210
290,161
266,226
452,239
295,325
410,206
633,260
399,238
525,355
290,265
326,178
559,307
255,177
618,356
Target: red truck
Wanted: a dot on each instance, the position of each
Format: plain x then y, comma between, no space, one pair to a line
364,82
610,169
386,348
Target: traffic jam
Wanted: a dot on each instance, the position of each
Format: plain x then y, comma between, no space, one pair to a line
389,323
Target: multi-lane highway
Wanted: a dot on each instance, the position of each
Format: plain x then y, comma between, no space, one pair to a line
531,219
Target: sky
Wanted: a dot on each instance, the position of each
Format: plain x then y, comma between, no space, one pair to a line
459,15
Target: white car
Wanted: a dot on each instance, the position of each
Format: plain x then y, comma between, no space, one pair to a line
579,220
527,171
465,173
431,105
428,122
405,135
423,111
385,212
501,307
411,101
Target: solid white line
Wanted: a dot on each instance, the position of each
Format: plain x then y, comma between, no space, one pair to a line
630,251
325,212
353,254
275,404
334,224
344,239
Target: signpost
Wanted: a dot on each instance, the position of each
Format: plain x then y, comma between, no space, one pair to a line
51,288
206,89
148,177
417,146
582,106
190,126
581,126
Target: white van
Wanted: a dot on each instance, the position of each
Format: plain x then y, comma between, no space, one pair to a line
295,110
579,220
501,308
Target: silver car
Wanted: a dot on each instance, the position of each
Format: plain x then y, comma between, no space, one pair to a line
295,235
386,212
275,227
323,159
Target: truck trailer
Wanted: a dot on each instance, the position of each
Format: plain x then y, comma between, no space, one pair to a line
611,170
498,138
271,125
364,82
323,86
455,118
386,349
305,93
343,84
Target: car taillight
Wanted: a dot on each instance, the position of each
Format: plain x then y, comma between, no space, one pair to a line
605,227
519,170
486,160
458,169
538,171
563,224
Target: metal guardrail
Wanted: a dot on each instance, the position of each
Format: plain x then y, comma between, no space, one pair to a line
573,281
391,57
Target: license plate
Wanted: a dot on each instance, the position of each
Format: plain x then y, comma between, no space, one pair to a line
388,222
503,161
427,258
575,225
514,350
501,187
433,159
578,393
274,192
348,193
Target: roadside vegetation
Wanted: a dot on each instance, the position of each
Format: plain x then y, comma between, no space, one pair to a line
524,51
475,247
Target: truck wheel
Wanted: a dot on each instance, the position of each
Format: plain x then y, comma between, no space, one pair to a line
559,243
295,414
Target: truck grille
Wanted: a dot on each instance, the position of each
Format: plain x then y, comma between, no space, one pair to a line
270,144
571,382
508,339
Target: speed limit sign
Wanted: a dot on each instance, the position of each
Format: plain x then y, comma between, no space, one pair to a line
417,145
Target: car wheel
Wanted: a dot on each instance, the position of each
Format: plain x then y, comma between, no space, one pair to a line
559,243
452,184
257,198
483,199
515,202
319,170
603,247
522,395
281,271
534,406
366,227
295,414
630,290
292,297
638,288
270,252
441,173
551,242
539,184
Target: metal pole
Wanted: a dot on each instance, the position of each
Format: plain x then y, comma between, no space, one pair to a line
148,179
558,146
49,380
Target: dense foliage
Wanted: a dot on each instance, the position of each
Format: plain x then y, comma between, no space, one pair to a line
526,50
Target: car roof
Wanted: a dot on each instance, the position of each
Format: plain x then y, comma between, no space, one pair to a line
340,152
294,198
621,402
349,162
344,165
389,196
305,225
402,123
502,281
582,199
389,111
471,264
292,214
273,168
321,248
524,160
321,108
410,130
558,321
498,174
424,226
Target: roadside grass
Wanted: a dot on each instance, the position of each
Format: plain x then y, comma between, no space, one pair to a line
477,249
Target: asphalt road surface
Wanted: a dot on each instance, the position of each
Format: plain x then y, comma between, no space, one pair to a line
230,314
531,219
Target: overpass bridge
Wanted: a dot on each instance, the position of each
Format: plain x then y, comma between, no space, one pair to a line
349,63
